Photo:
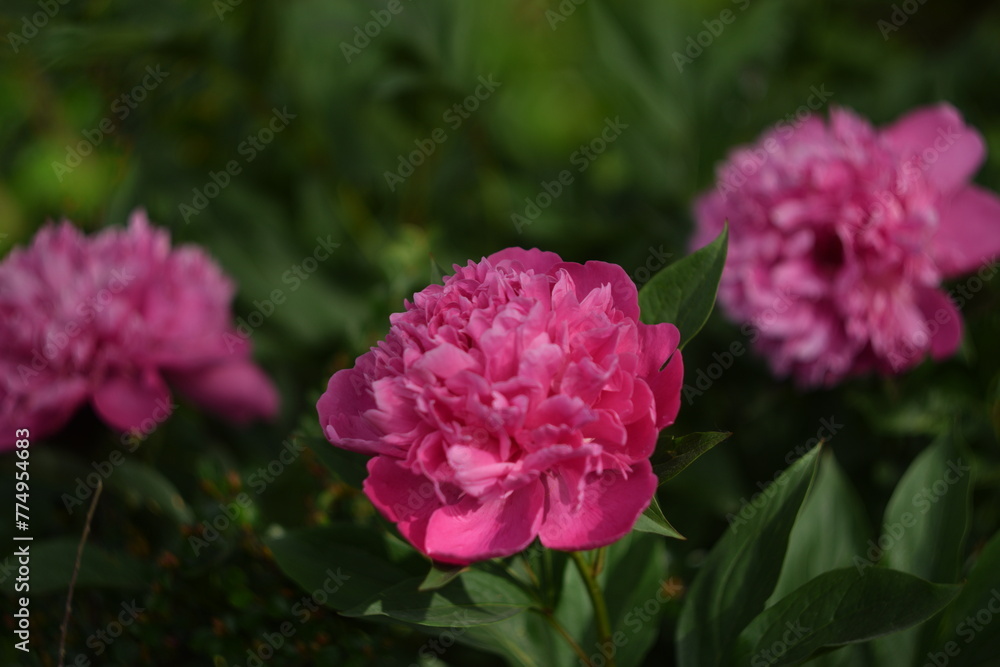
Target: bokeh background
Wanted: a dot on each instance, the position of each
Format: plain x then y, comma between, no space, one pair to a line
108,105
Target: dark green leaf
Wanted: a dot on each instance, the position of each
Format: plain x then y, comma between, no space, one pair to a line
740,573
473,598
684,292
971,624
440,574
839,607
678,453
653,521
831,530
925,525
141,484
348,562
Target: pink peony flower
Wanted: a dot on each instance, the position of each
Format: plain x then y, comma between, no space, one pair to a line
841,235
111,319
522,398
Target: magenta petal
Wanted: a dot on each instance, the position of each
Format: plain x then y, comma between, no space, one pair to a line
237,390
593,275
969,233
609,508
43,411
659,342
343,406
402,497
538,260
958,150
943,321
126,402
472,530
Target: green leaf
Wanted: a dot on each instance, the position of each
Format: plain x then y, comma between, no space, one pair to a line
52,564
684,292
440,575
678,453
740,573
831,530
350,468
971,624
653,521
839,607
141,484
924,531
472,598
347,562
637,596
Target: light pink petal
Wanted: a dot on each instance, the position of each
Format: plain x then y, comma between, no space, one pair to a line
342,409
950,151
126,402
473,530
538,260
943,322
237,390
968,237
593,275
608,510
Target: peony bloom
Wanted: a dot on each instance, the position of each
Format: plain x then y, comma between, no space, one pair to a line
112,319
841,235
522,398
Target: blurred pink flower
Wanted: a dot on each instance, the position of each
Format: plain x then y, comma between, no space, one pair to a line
112,319
841,235
522,398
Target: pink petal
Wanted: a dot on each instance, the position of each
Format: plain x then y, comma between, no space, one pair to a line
237,390
343,406
126,402
538,260
953,150
402,497
609,508
969,233
658,343
593,275
943,321
473,530
43,411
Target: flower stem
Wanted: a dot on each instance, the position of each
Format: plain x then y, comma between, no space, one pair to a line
597,599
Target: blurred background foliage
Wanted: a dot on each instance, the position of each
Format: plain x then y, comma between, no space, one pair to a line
560,72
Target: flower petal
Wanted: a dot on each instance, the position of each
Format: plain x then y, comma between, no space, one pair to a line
126,402
968,237
609,508
237,390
